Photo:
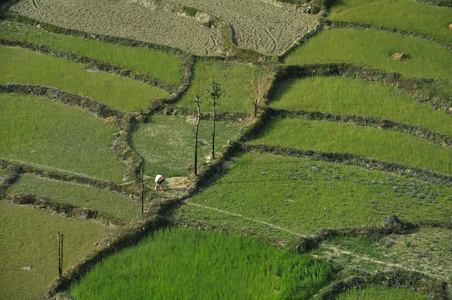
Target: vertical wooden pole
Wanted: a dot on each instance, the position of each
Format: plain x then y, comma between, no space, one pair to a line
142,191
60,253
196,135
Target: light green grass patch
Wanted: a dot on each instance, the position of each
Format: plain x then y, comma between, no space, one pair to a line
234,80
365,141
79,195
400,14
374,49
425,250
49,135
29,238
302,196
381,292
184,263
167,143
157,64
28,67
345,95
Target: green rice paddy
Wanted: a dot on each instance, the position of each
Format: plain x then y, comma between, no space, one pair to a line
374,49
50,135
407,15
157,64
183,263
345,95
29,248
365,141
300,196
106,202
123,93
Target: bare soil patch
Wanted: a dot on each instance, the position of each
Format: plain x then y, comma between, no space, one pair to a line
133,21
268,27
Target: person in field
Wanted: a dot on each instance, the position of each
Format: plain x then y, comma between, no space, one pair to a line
158,182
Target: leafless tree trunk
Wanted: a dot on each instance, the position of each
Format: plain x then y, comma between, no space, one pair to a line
196,135
215,93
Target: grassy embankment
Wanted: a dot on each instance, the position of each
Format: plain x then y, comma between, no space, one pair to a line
381,292
235,80
299,196
28,67
374,49
167,143
405,15
108,203
36,131
29,239
345,95
360,140
182,263
157,64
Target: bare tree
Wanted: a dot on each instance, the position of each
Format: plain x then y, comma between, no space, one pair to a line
215,93
196,135
258,87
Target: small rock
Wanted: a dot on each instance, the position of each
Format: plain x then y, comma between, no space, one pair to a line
26,268
392,221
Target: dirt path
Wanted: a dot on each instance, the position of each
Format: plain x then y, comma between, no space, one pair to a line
246,218
112,17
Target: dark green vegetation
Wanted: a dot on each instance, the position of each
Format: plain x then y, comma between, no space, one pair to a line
182,263
74,157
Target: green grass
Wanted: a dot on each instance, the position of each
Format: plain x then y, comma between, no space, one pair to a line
345,95
424,250
302,196
29,237
365,141
235,82
123,93
104,201
157,64
374,49
183,263
400,14
381,292
50,135
168,143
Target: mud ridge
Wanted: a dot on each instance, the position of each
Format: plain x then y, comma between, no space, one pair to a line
385,124
356,160
418,88
337,24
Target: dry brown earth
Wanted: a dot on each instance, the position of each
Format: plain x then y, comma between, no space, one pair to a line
265,26
112,17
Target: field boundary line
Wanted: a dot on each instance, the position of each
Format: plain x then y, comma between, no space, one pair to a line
93,63
246,218
356,160
385,124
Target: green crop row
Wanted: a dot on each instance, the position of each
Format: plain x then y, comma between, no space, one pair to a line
157,64
374,49
406,15
79,195
345,95
36,131
282,197
28,248
360,140
25,66
183,263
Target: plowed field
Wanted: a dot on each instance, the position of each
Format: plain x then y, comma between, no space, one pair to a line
265,26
